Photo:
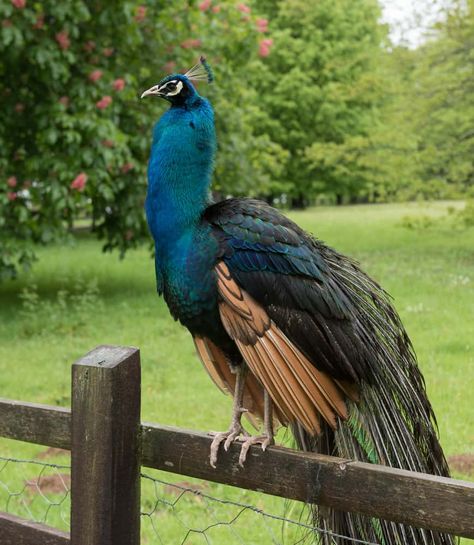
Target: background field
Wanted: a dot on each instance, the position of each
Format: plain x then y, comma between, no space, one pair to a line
76,298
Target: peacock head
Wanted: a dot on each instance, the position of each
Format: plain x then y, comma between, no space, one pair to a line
178,88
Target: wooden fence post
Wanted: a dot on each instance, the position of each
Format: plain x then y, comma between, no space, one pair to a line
105,464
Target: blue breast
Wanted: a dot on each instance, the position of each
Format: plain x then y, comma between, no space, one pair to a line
179,175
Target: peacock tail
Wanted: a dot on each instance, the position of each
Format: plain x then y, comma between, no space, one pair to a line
391,424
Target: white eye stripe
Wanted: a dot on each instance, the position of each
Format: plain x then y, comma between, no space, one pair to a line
179,87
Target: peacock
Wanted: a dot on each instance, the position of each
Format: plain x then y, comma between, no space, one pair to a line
296,332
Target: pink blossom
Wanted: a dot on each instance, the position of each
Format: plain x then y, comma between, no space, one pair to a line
95,75
141,14
107,143
11,195
108,51
264,47
190,43
79,182
169,66
244,8
12,181
39,24
20,4
216,9
104,102
89,46
262,25
205,5
64,101
127,167
119,84
19,107
63,39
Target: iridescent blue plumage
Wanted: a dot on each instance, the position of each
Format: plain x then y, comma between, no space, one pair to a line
179,175
259,295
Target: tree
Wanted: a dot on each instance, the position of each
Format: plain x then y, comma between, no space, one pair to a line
424,143
321,89
445,105
74,138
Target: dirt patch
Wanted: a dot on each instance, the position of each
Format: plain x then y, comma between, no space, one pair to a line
464,463
49,484
52,452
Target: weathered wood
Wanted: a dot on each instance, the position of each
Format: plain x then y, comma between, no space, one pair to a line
35,423
418,499
105,476
17,531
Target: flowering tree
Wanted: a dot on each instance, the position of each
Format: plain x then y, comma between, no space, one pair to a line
74,137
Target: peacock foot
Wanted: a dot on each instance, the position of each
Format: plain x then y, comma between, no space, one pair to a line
226,437
265,440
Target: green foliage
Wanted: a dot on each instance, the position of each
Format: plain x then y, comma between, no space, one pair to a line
424,144
446,112
321,90
74,137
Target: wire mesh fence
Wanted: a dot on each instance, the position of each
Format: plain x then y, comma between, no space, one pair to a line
173,512
35,490
183,513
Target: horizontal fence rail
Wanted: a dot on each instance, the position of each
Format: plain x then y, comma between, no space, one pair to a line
427,501
17,531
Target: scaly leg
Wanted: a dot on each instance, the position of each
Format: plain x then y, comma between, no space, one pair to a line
235,427
267,438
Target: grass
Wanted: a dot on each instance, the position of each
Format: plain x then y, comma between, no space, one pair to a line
77,298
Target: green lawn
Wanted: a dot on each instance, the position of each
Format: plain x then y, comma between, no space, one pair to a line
76,298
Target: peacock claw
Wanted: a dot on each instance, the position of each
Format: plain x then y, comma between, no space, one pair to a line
264,440
228,437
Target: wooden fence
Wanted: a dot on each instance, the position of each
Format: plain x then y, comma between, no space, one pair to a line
109,445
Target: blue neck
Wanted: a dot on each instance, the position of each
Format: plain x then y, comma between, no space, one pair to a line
179,172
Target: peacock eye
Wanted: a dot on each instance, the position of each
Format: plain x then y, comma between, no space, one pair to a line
172,88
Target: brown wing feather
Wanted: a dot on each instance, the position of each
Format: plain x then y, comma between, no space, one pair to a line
305,379
218,368
254,362
350,389
324,384
300,392
288,383
212,365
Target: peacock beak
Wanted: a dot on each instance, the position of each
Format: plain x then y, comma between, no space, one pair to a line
155,90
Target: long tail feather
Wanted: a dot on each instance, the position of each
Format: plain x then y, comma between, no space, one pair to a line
392,423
